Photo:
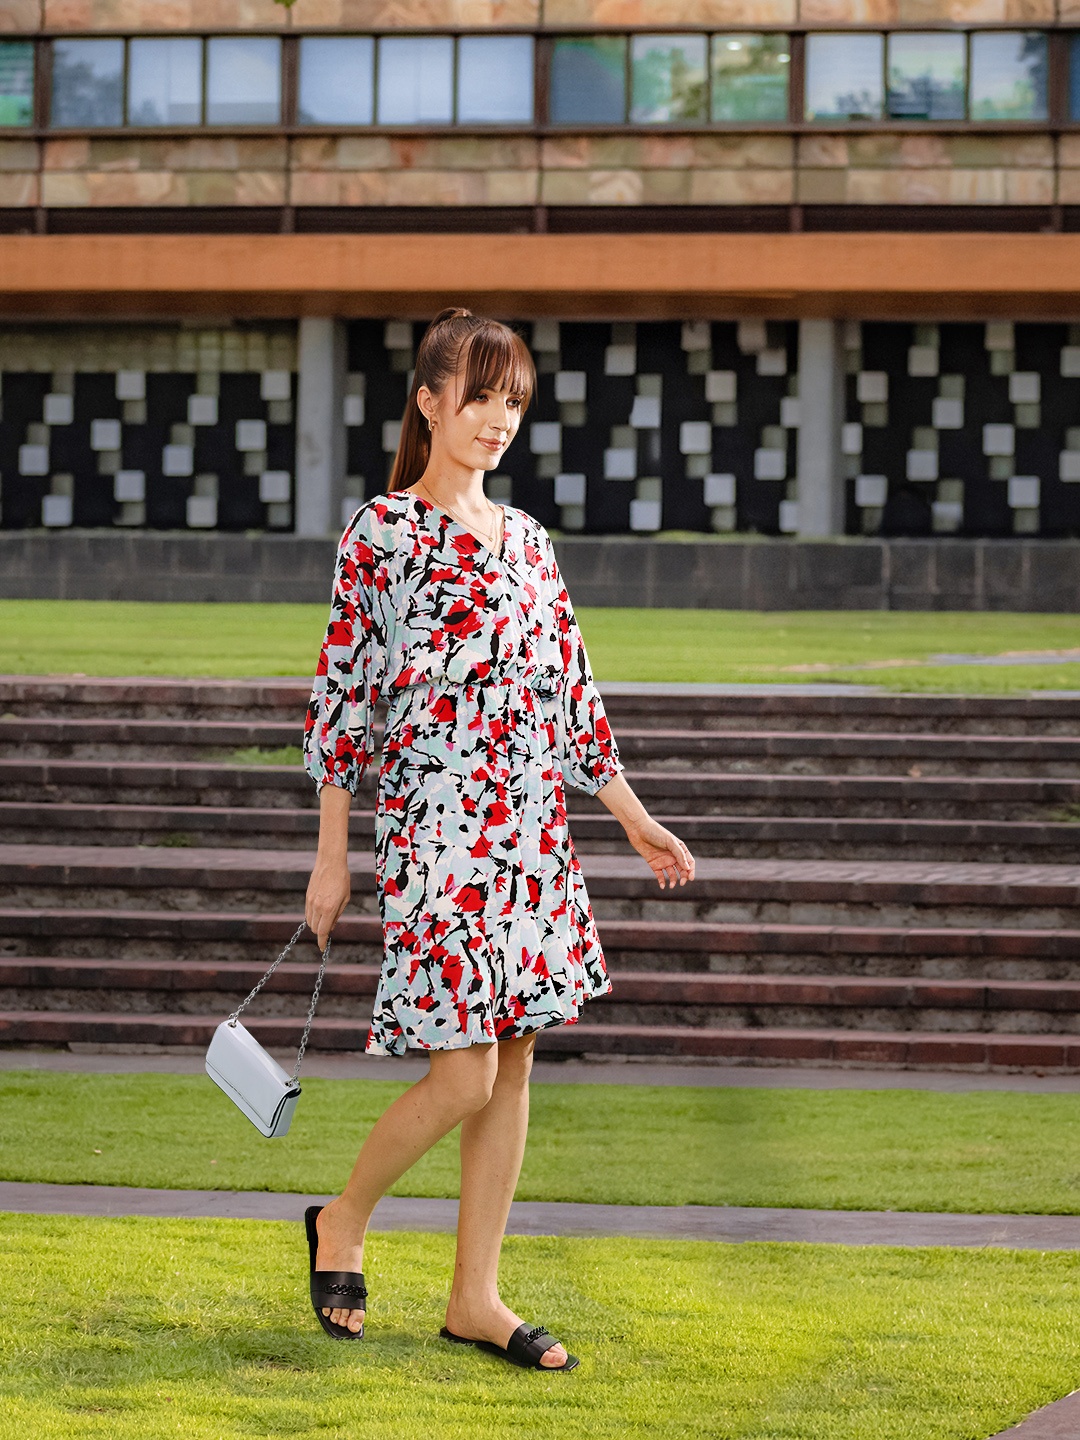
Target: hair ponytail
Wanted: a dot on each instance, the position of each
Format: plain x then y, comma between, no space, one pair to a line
495,357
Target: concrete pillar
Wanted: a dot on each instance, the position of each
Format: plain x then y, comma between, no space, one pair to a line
320,427
821,416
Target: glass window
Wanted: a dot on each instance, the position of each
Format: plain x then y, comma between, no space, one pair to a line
495,78
243,80
668,78
88,82
1008,75
844,79
165,82
750,77
337,80
1074,78
416,80
588,80
16,82
926,76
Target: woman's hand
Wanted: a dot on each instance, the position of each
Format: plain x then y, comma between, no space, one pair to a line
327,895
670,859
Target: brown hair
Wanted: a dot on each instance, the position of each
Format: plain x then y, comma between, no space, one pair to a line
495,357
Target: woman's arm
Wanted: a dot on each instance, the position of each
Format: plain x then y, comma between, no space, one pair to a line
329,887
670,859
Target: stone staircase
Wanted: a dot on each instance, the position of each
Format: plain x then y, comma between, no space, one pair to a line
881,880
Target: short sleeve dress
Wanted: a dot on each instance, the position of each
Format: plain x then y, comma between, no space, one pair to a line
488,932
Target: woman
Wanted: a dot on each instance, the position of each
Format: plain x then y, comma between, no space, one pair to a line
453,610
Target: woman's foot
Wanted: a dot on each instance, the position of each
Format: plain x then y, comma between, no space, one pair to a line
492,1321
339,1250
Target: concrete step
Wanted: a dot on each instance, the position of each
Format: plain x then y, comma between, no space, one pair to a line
173,938
196,783
621,886
748,1045
64,984
797,837
284,699
761,750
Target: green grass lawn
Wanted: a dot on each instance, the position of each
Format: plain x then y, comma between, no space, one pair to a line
104,637
632,1145
133,1329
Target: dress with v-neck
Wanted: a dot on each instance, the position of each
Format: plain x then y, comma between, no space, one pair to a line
488,932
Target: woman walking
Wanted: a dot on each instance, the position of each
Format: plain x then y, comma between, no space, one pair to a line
452,609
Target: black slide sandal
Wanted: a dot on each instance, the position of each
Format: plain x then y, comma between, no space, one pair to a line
524,1347
334,1289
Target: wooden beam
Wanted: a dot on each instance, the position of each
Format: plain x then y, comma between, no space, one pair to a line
606,276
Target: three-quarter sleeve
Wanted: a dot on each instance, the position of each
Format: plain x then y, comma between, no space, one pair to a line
338,744
588,754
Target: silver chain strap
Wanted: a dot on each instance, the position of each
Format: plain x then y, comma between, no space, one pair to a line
234,1017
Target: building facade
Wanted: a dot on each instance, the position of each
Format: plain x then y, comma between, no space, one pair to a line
789,268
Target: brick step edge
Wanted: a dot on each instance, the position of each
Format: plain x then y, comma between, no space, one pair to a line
637,986
965,1051
685,936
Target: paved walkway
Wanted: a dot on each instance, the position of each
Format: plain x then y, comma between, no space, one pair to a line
730,1223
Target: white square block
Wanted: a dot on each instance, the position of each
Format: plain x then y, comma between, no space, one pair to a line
177,460
645,412
922,465
770,464
772,362
946,413
851,438
872,387
1023,492
391,436
202,410
397,335
695,437
620,359
250,435
870,490
131,384
751,336
33,459
129,486
104,434
201,512
276,385
644,514
1000,335
56,509
353,411
922,360
999,439
546,336
274,487
1070,361
569,386
545,437
789,517
720,386
789,412
59,409
696,335
1069,465
719,490
569,489
947,514
1024,387
620,464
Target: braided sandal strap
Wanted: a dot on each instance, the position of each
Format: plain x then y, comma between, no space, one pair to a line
338,1290
527,1346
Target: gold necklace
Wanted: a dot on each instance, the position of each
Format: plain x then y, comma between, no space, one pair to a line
457,517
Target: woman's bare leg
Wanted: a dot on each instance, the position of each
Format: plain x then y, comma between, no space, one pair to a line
492,1147
457,1083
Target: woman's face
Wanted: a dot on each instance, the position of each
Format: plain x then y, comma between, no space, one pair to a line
477,435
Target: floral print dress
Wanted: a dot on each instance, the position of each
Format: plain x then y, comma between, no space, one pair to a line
492,709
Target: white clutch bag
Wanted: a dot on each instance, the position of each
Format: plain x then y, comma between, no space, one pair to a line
251,1077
